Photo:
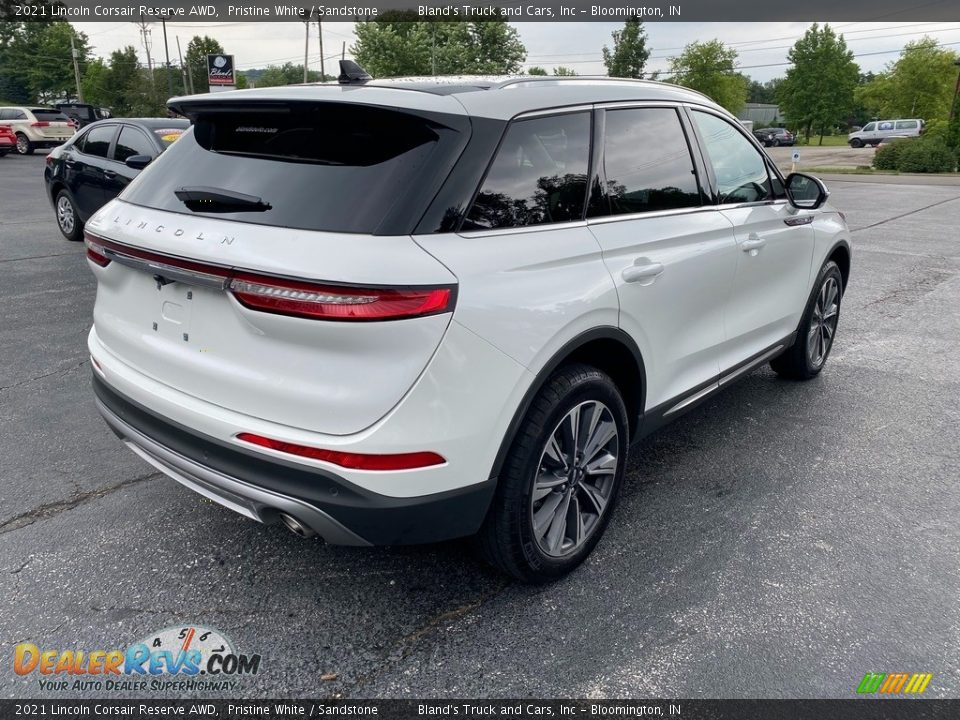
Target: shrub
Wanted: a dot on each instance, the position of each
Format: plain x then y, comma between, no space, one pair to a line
888,157
926,156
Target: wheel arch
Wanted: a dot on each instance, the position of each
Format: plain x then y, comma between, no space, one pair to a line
608,349
840,254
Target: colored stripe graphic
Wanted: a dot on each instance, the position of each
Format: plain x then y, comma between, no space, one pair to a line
894,683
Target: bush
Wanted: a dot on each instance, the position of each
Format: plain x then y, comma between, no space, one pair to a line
888,157
928,154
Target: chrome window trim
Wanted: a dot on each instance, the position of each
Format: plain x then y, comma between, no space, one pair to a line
525,229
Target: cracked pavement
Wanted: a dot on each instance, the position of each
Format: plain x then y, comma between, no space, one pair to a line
781,540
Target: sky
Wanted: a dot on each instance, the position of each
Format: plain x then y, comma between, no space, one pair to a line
762,47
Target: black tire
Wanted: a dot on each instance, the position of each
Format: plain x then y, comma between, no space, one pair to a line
24,146
72,232
799,361
4,153
856,143
776,143
507,538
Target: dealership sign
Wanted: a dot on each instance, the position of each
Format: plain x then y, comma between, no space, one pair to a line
220,70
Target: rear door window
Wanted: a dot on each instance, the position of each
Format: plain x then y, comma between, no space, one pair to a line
906,125
538,176
647,162
97,141
320,166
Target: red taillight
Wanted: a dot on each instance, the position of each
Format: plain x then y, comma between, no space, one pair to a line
354,461
40,123
298,298
336,303
95,250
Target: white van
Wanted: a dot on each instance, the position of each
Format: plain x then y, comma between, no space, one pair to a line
873,132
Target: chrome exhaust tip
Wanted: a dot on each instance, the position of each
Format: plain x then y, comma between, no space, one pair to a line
296,527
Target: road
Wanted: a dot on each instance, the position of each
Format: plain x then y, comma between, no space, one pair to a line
781,540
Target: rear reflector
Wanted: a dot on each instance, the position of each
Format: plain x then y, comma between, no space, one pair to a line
354,461
282,296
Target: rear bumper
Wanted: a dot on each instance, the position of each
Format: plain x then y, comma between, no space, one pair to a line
262,487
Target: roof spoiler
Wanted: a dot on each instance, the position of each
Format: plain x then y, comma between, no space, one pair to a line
352,74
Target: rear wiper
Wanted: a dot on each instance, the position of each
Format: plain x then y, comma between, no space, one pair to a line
211,199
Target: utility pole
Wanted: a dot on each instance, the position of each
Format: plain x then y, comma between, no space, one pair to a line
145,34
183,69
956,92
343,51
166,50
433,49
76,68
306,46
323,75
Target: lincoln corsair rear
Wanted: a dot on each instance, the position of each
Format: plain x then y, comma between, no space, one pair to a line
405,311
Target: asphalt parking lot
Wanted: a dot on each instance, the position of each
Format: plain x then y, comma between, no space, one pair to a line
780,541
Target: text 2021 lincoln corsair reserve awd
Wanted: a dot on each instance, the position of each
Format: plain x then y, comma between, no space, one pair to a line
404,311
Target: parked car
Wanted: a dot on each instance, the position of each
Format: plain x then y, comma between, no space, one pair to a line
99,162
8,140
83,114
37,127
404,311
774,137
873,132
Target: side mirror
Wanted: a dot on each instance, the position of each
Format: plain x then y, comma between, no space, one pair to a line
805,191
138,162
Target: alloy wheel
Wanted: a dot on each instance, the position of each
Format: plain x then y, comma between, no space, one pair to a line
823,322
575,479
23,144
65,216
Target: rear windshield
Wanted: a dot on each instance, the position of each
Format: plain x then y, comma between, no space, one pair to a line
327,166
50,116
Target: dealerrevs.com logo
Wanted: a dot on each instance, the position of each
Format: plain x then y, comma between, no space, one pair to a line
181,659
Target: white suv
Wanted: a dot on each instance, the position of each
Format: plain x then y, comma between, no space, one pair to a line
37,127
412,310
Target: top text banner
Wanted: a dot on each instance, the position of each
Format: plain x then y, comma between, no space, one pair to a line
543,11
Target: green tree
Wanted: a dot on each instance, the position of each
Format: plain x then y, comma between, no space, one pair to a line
196,60
36,64
630,52
817,92
919,84
709,67
286,74
562,71
537,70
758,92
390,48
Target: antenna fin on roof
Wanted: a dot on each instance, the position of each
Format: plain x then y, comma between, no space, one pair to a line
352,74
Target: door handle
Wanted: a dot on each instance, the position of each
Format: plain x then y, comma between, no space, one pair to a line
109,174
69,162
752,244
647,271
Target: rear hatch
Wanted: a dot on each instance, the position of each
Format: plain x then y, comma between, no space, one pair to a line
53,124
264,264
